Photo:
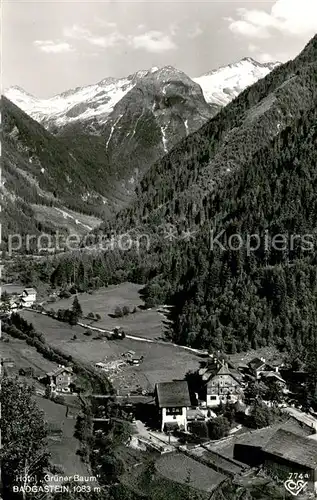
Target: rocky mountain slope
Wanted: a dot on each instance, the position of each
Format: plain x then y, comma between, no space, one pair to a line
160,110
47,175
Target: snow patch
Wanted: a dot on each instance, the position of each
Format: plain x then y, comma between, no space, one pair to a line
112,129
223,85
164,139
186,127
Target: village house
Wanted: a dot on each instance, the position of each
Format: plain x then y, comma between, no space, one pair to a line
28,297
59,380
274,377
172,400
259,366
223,387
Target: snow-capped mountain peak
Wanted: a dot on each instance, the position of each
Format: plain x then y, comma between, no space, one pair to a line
222,85
94,103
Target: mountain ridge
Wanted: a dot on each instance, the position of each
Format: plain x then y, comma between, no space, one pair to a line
103,95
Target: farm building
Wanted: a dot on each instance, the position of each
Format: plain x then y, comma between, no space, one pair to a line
258,367
287,453
223,387
282,454
59,380
271,376
172,400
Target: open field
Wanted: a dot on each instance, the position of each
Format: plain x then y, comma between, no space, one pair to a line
12,288
144,323
183,469
25,356
161,363
62,448
55,332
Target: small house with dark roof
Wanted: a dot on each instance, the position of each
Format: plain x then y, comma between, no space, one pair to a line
274,377
223,387
172,400
287,453
259,366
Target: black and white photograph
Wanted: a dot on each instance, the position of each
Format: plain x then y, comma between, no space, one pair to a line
158,299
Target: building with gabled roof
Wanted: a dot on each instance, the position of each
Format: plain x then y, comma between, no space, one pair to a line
59,380
172,400
28,297
259,366
223,387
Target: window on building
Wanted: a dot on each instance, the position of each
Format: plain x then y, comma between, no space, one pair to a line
174,411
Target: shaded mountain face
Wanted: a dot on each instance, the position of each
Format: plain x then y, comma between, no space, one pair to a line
44,186
197,165
249,170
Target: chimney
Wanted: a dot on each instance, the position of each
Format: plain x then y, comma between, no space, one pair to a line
262,359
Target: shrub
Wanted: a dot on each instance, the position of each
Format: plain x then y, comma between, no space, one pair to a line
58,400
118,312
125,310
218,428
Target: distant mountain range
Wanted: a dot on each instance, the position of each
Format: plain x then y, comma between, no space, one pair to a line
94,103
87,149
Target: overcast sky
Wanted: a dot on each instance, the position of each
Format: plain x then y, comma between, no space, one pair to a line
49,47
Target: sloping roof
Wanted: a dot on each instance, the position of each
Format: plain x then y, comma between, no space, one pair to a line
60,370
225,370
256,363
173,394
236,374
273,375
195,414
292,447
300,416
29,290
